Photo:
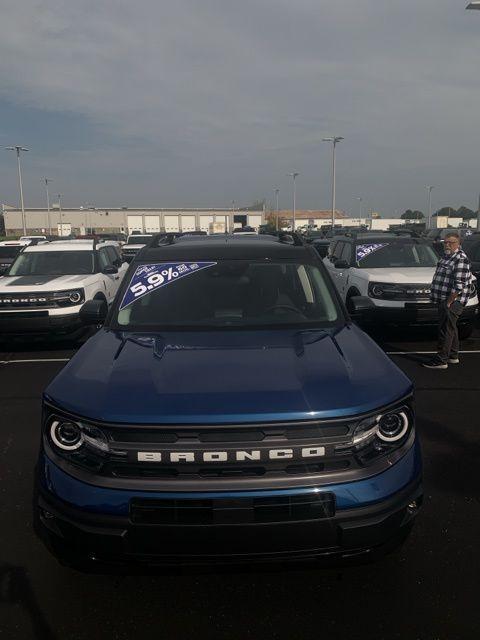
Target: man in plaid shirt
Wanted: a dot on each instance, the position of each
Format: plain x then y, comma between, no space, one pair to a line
450,290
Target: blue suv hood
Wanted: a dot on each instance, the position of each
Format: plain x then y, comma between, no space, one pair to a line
244,376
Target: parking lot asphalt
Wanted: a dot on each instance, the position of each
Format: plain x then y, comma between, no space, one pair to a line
428,589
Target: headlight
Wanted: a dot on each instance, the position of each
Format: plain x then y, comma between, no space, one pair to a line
473,288
68,435
383,290
65,298
377,290
392,426
383,430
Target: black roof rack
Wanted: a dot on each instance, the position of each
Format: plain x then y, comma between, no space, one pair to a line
165,239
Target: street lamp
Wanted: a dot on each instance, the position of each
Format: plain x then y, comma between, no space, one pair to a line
360,200
334,140
294,175
60,212
429,189
18,149
49,222
276,191
476,5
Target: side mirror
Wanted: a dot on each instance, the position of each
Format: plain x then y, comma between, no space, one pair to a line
341,264
110,270
93,312
361,307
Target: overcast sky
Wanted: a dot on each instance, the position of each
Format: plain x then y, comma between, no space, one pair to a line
198,102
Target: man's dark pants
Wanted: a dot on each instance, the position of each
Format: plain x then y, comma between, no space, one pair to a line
448,342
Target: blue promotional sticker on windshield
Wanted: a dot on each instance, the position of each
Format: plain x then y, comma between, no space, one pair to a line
364,250
150,277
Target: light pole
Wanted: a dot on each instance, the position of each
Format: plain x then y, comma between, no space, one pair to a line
476,5
60,212
429,189
49,222
360,200
334,140
276,191
18,149
294,175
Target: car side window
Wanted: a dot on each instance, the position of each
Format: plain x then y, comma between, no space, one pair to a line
337,252
114,257
347,252
103,259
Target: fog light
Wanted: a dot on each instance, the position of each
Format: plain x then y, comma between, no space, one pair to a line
66,435
392,426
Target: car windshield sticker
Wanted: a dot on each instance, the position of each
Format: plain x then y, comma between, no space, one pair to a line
364,250
150,277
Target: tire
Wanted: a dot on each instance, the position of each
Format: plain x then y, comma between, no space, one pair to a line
465,330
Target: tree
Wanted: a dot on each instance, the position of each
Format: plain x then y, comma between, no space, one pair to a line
449,212
466,213
412,215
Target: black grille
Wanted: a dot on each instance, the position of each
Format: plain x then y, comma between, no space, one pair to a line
224,452
34,300
314,506
400,292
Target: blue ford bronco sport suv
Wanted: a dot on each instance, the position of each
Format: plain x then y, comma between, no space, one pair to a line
228,409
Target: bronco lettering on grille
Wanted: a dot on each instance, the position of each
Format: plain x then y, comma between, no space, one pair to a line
230,456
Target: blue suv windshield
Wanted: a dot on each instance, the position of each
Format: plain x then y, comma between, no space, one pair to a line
236,293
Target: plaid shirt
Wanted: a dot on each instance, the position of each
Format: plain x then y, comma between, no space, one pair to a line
453,274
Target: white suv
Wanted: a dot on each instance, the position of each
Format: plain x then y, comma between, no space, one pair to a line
396,273
134,244
45,287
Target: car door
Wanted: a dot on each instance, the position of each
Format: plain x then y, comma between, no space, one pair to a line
343,275
110,280
335,256
117,260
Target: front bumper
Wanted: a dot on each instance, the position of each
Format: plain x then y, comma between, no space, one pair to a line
37,322
417,314
81,522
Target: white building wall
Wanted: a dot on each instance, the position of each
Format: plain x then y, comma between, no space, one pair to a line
125,220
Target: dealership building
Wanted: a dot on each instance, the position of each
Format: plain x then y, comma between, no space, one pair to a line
65,221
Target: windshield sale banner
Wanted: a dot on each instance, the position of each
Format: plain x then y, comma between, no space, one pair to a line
364,250
150,277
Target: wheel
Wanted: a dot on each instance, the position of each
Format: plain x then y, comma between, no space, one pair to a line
465,330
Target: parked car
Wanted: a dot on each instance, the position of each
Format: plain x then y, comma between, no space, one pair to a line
9,249
471,246
396,273
228,409
134,244
313,234
437,236
116,237
32,238
321,246
44,288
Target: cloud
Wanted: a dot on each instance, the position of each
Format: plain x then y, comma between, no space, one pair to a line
220,90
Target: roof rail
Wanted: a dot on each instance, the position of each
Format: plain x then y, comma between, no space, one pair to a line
287,237
162,239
